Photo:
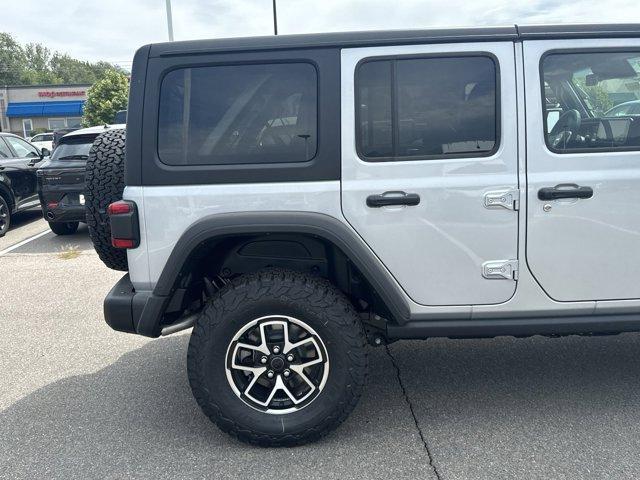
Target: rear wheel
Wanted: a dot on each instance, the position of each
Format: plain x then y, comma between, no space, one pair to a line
64,228
277,358
5,216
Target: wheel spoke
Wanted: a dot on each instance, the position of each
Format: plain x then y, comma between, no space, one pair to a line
262,348
247,368
279,385
291,346
309,363
299,369
257,372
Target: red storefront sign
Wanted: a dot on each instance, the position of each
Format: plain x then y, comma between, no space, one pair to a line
69,93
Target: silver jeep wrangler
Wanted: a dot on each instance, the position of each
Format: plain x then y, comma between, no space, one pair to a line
294,198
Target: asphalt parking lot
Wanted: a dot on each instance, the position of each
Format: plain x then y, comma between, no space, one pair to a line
78,400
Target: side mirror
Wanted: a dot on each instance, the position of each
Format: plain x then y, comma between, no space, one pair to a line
44,152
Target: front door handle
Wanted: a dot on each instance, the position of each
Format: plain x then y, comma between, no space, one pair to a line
393,198
565,190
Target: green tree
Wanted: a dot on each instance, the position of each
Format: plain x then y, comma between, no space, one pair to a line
12,61
35,64
596,96
108,95
70,70
38,69
599,98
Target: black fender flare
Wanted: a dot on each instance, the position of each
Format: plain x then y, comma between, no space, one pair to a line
316,224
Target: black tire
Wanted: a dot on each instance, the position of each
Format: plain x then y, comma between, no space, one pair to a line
64,228
279,293
104,185
5,216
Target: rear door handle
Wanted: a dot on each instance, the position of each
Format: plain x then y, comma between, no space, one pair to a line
393,198
565,190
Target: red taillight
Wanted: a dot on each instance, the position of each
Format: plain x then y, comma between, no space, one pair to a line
119,208
123,217
52,205
123,243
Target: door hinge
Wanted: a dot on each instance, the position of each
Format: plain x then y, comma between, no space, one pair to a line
500,269
509,199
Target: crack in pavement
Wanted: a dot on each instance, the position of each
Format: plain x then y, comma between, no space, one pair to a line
415,419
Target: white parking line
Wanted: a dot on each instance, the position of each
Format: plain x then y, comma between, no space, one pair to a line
24,242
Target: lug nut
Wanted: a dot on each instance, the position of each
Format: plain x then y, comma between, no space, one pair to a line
263,360
276,349
270,374
286,373
289,358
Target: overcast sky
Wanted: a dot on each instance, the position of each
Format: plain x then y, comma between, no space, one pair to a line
112,29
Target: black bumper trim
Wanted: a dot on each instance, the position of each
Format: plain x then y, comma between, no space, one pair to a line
126,310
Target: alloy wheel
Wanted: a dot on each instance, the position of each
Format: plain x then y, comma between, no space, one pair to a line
277,364
4,217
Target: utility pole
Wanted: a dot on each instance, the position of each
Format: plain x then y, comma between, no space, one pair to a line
170,20
275,18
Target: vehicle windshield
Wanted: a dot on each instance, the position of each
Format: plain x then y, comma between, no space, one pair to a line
74,148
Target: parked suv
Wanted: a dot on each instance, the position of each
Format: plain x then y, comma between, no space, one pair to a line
18,186
61,180
295,197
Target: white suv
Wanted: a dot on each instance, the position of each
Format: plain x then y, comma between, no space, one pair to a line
294,197
44,141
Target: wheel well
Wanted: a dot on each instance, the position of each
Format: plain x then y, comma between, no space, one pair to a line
214,262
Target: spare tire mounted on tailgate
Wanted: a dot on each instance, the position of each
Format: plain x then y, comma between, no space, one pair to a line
104,185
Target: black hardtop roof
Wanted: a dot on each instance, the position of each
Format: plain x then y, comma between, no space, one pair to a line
394,37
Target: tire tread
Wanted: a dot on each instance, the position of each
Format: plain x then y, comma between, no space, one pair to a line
104,184
318,294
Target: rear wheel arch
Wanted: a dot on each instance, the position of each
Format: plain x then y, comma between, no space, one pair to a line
212,241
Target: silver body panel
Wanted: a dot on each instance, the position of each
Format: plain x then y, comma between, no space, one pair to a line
578,258
436,249
581,249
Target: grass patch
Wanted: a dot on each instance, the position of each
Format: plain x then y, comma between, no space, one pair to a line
68,252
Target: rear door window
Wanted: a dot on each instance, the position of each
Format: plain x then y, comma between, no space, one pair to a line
423,108
238,114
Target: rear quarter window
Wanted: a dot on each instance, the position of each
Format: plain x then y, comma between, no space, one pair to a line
238,114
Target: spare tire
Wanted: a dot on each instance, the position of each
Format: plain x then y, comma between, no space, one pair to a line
104,184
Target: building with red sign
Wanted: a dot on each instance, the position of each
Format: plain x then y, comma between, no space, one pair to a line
26,109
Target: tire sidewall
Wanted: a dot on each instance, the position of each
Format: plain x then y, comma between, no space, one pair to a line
64,228
8,219
213,371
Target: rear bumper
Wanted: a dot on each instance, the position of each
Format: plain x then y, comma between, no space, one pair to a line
65,213
61,202
126,310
